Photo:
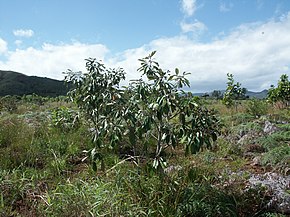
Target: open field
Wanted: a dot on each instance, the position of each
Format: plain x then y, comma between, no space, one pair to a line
44,171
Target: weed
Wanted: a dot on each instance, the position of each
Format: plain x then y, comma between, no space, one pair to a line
65,119
257,107
42,172
204,200
274,140
278,157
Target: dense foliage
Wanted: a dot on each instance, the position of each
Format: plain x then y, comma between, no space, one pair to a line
45,172
233,92
155,114
280,94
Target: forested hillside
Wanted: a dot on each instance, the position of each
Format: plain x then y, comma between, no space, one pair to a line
14,83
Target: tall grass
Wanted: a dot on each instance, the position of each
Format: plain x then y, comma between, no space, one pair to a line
43,171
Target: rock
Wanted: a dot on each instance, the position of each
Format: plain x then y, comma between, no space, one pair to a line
172,169
270,128
256,161
278,187
245,138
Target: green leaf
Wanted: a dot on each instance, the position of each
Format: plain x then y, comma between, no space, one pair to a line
167,139
164,136
94,166
183,139
176,71
187,149
214,136
159,115
207,142
173,141
132,136
155,163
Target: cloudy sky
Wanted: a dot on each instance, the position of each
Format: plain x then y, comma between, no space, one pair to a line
208,38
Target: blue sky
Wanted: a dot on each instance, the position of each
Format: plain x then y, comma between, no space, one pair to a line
209,38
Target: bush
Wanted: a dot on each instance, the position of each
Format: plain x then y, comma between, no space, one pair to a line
8,103
274,140
204,200
65,119
257,107
281,94
15,140
278,157
156,111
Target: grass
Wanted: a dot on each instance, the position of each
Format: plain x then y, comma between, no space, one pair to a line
43,171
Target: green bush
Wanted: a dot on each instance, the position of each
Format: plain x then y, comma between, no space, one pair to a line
157,110
280,94
257,107
15,140
274,140
204,200
18,192
278,157
65,119
8,103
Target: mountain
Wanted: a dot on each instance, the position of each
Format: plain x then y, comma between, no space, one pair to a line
259,95
250,94
14,83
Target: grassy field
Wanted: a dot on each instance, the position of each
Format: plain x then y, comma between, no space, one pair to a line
44,170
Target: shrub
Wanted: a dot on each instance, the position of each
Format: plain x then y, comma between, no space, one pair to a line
274,140
278,157
257,107
8,103
204,200
64,119
233,92
15,140
154,112
280,94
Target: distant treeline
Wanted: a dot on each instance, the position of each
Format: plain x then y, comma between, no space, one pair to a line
14,83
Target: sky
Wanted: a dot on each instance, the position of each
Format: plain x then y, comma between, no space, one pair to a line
207,38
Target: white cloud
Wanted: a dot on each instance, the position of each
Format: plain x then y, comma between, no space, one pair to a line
18,42
226,7
3,46
257,54
23,33
196,27
51,60
188,7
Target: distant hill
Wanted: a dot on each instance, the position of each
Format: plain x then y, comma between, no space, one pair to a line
259,95
14,83
251,94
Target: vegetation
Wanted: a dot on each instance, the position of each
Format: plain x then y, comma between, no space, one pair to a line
281,94
13,83
44,170
154,113
217,94
233,92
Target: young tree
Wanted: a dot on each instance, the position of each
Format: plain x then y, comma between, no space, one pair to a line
217,94
152,114
162,113
98,96
233,93
281,93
